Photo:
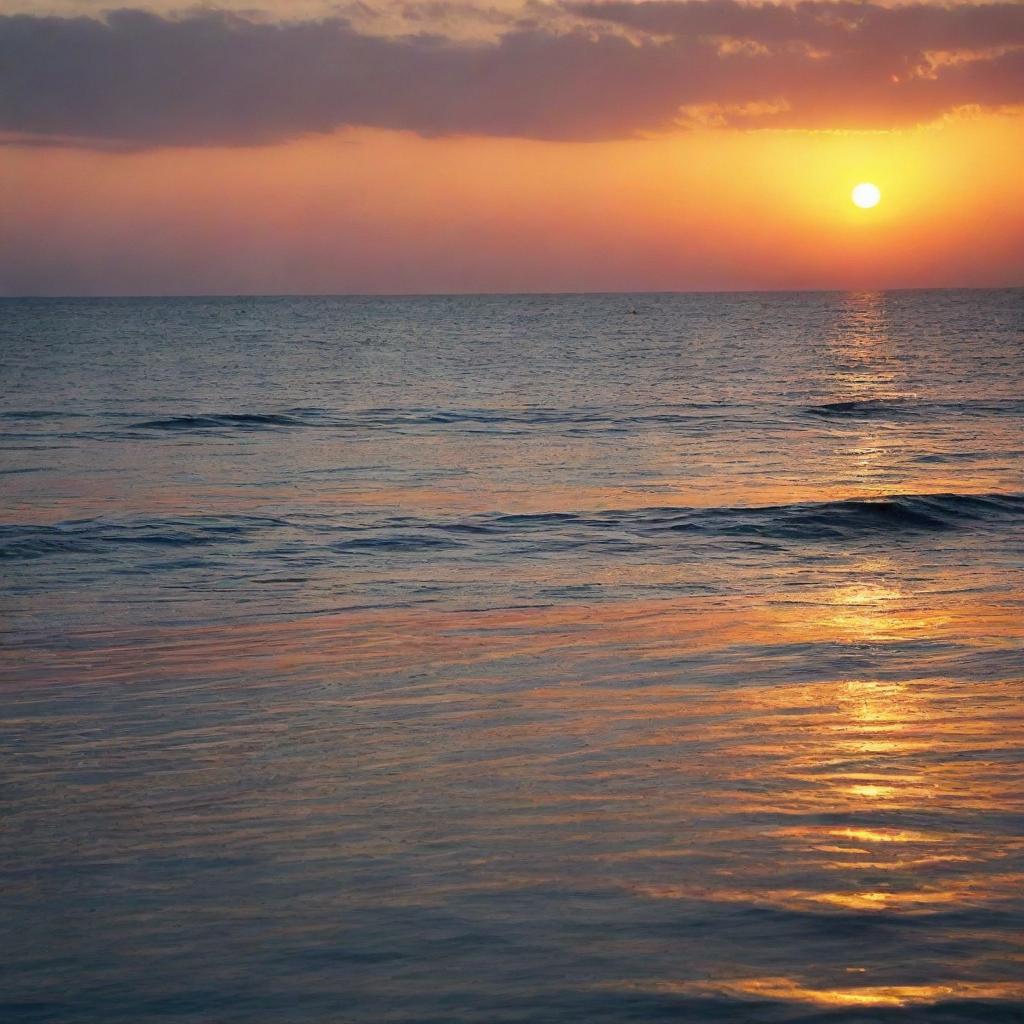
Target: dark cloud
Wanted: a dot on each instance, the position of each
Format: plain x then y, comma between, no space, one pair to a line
612,70
840,26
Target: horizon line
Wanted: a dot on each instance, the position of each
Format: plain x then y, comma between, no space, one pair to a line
506,294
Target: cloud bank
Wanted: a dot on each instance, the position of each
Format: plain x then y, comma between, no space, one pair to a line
579,71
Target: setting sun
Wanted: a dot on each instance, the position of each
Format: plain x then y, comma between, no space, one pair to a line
865,195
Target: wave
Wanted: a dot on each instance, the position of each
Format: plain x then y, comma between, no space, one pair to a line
799,522
102,535
910,407
893,514
400,542
38,414
859,409
394,418
220,421
571,420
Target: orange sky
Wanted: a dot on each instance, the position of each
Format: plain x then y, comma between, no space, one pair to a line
387,209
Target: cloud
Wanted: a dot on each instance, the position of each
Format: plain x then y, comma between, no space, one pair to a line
590,71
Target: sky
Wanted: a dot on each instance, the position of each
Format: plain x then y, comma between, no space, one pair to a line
523,145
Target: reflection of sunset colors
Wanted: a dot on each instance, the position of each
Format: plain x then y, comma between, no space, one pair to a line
783,798
786,989
516,659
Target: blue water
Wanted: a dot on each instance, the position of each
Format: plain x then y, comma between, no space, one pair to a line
513,659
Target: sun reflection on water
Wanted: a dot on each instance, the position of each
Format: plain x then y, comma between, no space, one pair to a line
784,989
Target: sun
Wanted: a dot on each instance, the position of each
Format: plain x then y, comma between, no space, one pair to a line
865,195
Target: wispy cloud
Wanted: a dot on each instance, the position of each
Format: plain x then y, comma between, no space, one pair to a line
589,71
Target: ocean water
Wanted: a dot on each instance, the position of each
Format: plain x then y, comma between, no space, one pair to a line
513,659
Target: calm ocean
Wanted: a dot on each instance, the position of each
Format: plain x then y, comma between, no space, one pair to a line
530,659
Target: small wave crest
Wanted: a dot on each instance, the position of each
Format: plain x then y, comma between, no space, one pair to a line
859,409
797,521
220,421
97,536
404,418
38,414
907,407
845,517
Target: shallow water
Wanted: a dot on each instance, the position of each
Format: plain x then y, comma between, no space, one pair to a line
522,659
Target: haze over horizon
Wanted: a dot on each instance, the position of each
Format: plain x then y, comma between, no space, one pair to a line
669,145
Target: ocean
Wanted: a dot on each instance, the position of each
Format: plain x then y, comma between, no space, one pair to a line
492,659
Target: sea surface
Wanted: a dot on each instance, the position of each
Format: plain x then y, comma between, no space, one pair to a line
534,659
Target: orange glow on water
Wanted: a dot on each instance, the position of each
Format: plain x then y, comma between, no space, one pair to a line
794,779
790,990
